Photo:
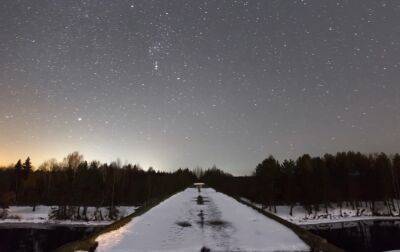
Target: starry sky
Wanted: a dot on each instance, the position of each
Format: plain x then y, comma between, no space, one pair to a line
180,83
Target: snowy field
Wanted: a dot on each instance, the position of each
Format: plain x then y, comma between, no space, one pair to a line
186,223
301,217
25,215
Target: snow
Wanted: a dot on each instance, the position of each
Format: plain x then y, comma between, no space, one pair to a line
176,225
301,217
24,215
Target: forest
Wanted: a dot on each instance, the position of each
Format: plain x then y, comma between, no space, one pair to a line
349,178
74,184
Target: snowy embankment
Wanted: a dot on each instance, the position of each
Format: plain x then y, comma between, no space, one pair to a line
187,222
301,217
24,215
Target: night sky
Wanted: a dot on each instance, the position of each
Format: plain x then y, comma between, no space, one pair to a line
175,84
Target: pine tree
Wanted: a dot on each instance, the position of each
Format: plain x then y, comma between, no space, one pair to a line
267,174
305,171
27,168
288,169
17,176
396,177
383,166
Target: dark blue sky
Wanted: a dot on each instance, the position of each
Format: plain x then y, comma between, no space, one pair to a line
183,83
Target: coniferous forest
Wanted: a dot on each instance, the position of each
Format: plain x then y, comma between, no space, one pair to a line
74,183
347,178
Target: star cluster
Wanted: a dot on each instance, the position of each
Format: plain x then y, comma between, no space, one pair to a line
184,83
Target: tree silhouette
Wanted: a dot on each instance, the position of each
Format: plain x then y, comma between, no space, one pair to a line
27,168
346,178
17,179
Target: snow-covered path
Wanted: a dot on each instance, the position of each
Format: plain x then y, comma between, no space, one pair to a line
184,223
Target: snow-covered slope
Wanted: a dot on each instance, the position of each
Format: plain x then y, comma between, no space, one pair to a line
25,215
182,223
301,217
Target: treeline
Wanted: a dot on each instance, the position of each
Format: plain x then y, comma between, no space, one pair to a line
74,184
347,178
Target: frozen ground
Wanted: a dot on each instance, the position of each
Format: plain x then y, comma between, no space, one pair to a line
25,215
184,223
301,217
